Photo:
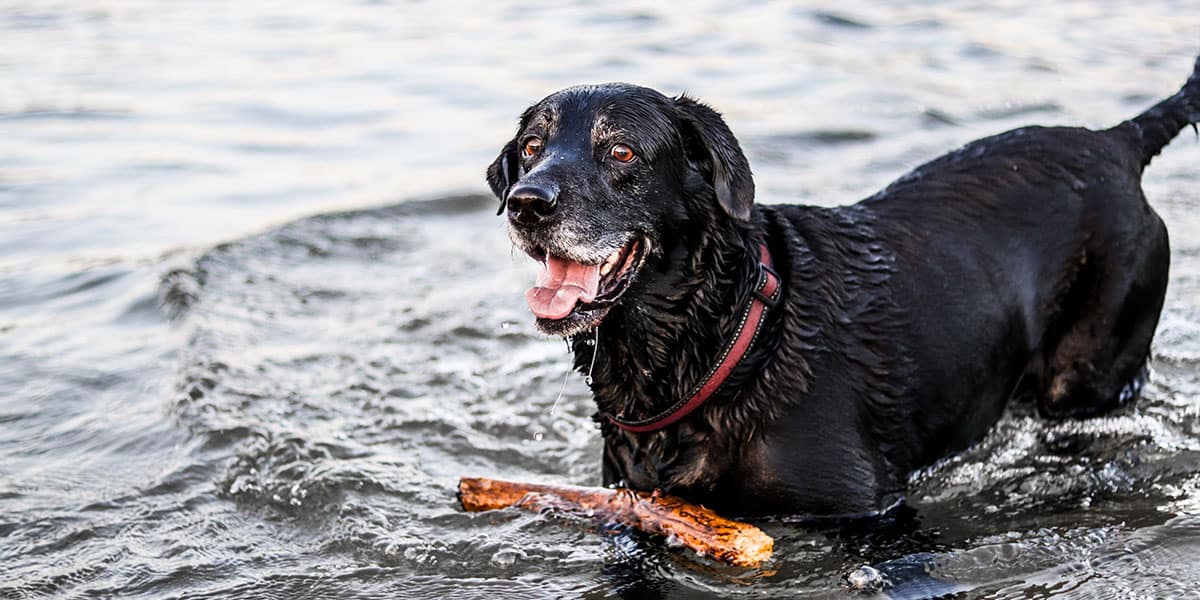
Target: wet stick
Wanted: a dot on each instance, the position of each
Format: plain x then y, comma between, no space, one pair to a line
696,527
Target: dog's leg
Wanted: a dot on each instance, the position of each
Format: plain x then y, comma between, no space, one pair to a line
1099,363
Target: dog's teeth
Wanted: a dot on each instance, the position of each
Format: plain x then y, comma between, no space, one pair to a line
610,263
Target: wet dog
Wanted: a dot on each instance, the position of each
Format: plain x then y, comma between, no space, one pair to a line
797,360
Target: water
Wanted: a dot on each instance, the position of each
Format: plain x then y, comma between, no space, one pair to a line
257,317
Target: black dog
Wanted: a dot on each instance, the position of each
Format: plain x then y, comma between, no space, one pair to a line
799,360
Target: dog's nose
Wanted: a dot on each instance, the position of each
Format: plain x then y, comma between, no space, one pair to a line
529,203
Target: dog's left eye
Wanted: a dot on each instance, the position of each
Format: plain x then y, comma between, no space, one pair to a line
622,153
533,145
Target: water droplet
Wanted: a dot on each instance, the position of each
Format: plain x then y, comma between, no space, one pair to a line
506,557
865,579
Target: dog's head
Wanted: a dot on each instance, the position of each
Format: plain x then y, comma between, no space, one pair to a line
598,182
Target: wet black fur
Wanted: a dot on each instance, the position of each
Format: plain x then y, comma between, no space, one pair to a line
1027,263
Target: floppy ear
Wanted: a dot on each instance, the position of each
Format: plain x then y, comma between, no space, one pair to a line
502,173
709,143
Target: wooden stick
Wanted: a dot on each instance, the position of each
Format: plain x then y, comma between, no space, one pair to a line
696,527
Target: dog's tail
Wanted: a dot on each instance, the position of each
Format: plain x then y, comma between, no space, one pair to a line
1155,128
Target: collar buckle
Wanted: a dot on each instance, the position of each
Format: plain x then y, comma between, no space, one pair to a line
765,274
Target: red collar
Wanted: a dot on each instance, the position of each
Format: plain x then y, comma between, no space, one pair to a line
765,296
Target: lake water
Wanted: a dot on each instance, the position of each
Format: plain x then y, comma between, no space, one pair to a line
257,315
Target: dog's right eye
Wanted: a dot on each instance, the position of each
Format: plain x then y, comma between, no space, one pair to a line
533,146
622,153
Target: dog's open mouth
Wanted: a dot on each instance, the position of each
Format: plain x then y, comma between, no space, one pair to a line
564,285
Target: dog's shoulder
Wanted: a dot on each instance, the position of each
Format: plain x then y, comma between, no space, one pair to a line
840,316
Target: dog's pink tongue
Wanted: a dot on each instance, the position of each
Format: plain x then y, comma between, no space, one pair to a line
560,285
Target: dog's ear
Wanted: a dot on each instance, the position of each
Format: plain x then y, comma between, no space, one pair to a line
710,144
502,173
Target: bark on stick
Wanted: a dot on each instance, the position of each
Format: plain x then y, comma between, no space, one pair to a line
696,527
